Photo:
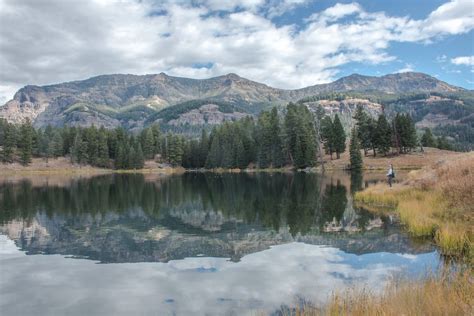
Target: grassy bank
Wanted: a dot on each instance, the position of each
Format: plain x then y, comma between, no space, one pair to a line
63,166
445,295
436,201
410,161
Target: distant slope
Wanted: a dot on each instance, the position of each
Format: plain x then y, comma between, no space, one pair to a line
449,114
131,101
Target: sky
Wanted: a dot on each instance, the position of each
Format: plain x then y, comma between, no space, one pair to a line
282,43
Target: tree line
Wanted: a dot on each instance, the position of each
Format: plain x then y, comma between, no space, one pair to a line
273,140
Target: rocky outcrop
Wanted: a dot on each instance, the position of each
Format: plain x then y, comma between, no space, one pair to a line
346,109
206,114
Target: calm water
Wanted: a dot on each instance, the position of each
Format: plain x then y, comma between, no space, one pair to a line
192,244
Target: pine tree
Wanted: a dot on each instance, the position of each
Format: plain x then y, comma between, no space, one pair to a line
155,129
354,151
277,157
405,133
56,145
442,143
92,141
411,140
299,155
148,143
214,156
264,140
383,135
79,149
339,137
139,159
26,142
327,136
300,136
132,156
203,149
428,140
46,147
103,149
291,123
364,125
9,140
121,159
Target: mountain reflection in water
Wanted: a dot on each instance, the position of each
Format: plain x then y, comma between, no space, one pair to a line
132,218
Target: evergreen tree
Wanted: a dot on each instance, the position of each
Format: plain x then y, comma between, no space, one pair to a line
79,150
26,142
291,132
132,157
38,140
383,135
46,147
405,133
176,150
56,145
265,139
9,140
327,137
148,143
155,129
121,159
139,159
442,143
103,149
300,136
354,151
213,158
92,141
339,136
203,149
428,140
365,127
277,157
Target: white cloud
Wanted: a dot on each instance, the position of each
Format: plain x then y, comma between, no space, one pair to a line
260,283
407,68
463,60
78,39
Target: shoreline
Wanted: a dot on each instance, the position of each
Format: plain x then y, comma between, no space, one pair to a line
406,162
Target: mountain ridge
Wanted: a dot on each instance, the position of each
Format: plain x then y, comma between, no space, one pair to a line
126,99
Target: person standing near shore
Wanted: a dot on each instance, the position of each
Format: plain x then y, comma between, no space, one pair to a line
390,175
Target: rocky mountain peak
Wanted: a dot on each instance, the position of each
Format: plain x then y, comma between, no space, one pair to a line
115,99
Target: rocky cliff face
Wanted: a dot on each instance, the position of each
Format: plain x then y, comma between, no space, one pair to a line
128,100
207,114
346,109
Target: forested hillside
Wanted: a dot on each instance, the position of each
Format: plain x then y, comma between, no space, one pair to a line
186,106
293,137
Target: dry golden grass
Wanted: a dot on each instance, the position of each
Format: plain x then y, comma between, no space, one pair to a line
62,166
446,295
436,201
410,161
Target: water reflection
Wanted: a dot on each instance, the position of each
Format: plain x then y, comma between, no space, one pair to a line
132,218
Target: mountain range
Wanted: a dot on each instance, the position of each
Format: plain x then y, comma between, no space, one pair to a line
184,104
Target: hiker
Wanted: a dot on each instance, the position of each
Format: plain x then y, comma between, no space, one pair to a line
390,175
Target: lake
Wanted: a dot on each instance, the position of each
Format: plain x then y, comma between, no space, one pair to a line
192,244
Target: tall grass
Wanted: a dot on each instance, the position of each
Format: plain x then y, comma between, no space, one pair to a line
446,295
437,201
